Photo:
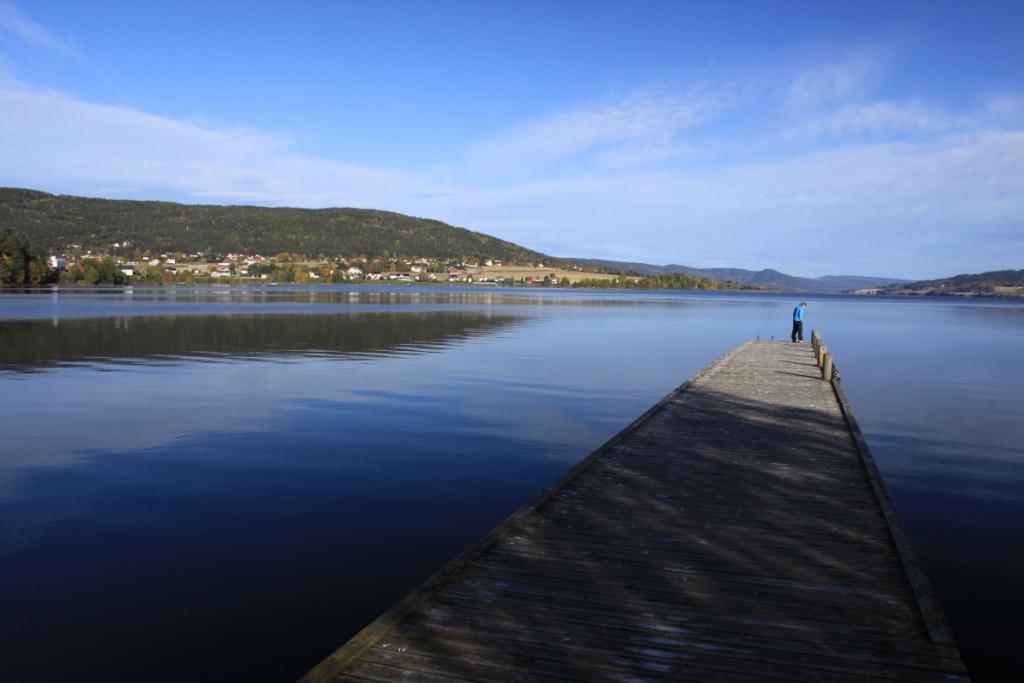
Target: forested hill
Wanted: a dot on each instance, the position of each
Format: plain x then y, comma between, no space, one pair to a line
55,221
994,282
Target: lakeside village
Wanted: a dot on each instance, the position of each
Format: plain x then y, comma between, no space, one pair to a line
21,264
123,264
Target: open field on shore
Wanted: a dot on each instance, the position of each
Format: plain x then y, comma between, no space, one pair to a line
522,272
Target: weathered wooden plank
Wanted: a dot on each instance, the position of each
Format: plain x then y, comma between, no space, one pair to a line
811,531
579,661
748,571
474,630
660,624
744,493
688,521
682,511
737,531
501,666
850,611
591,654
706,542
369,669
696,618
540,660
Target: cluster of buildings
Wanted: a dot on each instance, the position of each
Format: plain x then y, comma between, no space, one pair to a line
196,264
257,266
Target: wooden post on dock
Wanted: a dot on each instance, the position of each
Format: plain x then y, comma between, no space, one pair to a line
820,354
826,367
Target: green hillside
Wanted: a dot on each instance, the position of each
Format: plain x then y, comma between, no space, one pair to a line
55,221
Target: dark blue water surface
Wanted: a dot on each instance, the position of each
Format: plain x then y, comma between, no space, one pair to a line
226,484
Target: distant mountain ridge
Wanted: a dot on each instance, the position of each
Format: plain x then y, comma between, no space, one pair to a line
56,221
767,278
991,283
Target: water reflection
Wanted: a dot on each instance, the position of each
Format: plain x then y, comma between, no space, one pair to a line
30,345
100,301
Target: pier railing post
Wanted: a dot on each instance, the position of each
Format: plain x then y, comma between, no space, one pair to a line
826,368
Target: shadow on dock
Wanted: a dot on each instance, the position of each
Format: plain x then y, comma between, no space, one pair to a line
731,534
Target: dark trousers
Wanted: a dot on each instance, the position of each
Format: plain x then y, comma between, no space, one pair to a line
798,330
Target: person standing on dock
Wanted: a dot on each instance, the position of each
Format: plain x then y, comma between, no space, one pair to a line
798,322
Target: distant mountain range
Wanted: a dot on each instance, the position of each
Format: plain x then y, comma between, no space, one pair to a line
991,283
767,278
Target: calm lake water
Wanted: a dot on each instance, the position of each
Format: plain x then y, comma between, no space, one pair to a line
201,484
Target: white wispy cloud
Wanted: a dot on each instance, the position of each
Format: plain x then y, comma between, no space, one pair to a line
630,129
900,120
878,118
49,138
1006,108
835,80
16,25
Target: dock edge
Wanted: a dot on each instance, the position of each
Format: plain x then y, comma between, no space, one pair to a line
927,603
370,635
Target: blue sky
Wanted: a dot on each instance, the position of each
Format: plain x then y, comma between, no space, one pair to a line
876,138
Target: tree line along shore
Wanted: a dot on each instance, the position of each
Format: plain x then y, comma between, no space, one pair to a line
23,264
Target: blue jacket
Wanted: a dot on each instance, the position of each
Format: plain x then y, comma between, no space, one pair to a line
798,313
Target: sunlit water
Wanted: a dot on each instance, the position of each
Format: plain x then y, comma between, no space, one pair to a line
227,484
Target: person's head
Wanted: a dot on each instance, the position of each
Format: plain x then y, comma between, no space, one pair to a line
803,304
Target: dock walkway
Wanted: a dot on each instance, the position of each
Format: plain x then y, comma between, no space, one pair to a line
737,531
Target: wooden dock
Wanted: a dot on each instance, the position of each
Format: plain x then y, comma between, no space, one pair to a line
737,531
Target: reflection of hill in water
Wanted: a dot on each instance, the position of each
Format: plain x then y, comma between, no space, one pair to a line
31,344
